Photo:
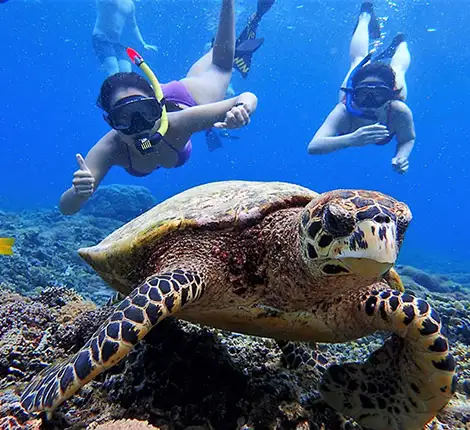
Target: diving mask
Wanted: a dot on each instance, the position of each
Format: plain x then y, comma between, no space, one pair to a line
134,114
372,95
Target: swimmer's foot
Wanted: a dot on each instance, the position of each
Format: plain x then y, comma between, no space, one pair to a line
392,48
374,26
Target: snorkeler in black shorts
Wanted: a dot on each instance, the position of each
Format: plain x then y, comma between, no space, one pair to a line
112,16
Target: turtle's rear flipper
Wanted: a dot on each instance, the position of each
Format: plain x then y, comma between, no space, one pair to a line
158,297
405,383
297,354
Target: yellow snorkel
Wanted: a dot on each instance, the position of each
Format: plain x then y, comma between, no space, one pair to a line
136,58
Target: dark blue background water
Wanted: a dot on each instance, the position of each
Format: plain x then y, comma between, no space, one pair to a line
49,80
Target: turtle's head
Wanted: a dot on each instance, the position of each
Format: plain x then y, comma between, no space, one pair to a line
353,232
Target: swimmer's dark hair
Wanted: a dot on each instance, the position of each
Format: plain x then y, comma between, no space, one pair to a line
121,80
377,69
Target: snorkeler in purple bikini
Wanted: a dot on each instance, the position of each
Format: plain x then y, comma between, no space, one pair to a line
152,125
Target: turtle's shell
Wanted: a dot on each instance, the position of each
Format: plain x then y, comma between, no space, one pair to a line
214,206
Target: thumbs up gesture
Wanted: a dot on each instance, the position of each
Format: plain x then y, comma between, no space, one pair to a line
83,180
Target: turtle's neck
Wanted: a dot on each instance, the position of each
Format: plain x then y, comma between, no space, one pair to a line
281,238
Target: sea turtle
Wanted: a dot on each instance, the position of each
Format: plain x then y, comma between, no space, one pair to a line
276,260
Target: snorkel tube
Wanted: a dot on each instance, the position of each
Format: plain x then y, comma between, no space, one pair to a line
145,144
349,91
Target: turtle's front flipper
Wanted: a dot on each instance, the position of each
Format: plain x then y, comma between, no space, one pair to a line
406,382
156,298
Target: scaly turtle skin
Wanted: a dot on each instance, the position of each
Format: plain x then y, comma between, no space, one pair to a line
274,260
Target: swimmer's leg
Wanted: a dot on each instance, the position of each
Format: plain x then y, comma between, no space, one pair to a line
125,66
359,46
400,63
110,65
374,26
209,77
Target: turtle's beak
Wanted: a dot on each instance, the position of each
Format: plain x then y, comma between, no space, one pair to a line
370,250
366,267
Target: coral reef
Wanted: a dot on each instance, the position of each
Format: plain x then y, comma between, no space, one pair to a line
181,376
35,332
435,283
120,202
45,252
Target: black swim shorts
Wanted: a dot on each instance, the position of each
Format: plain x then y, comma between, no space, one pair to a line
103,48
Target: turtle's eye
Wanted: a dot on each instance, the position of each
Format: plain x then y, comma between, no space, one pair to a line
337,221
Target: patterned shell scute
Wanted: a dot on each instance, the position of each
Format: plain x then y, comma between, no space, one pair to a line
212,206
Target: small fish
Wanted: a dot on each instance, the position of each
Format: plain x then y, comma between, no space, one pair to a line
6,244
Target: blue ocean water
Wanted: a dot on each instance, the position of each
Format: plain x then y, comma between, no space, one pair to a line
49,80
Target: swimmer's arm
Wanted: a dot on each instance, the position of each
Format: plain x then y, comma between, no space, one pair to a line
135,28
326,139
203,117
404,130
98,161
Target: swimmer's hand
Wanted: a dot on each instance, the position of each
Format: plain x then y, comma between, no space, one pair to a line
368,134
150,47
83,180
400,164
236,117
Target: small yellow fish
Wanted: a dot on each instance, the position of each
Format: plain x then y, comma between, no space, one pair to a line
6,244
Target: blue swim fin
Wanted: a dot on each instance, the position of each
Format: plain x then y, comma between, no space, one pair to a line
213,141
392,48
